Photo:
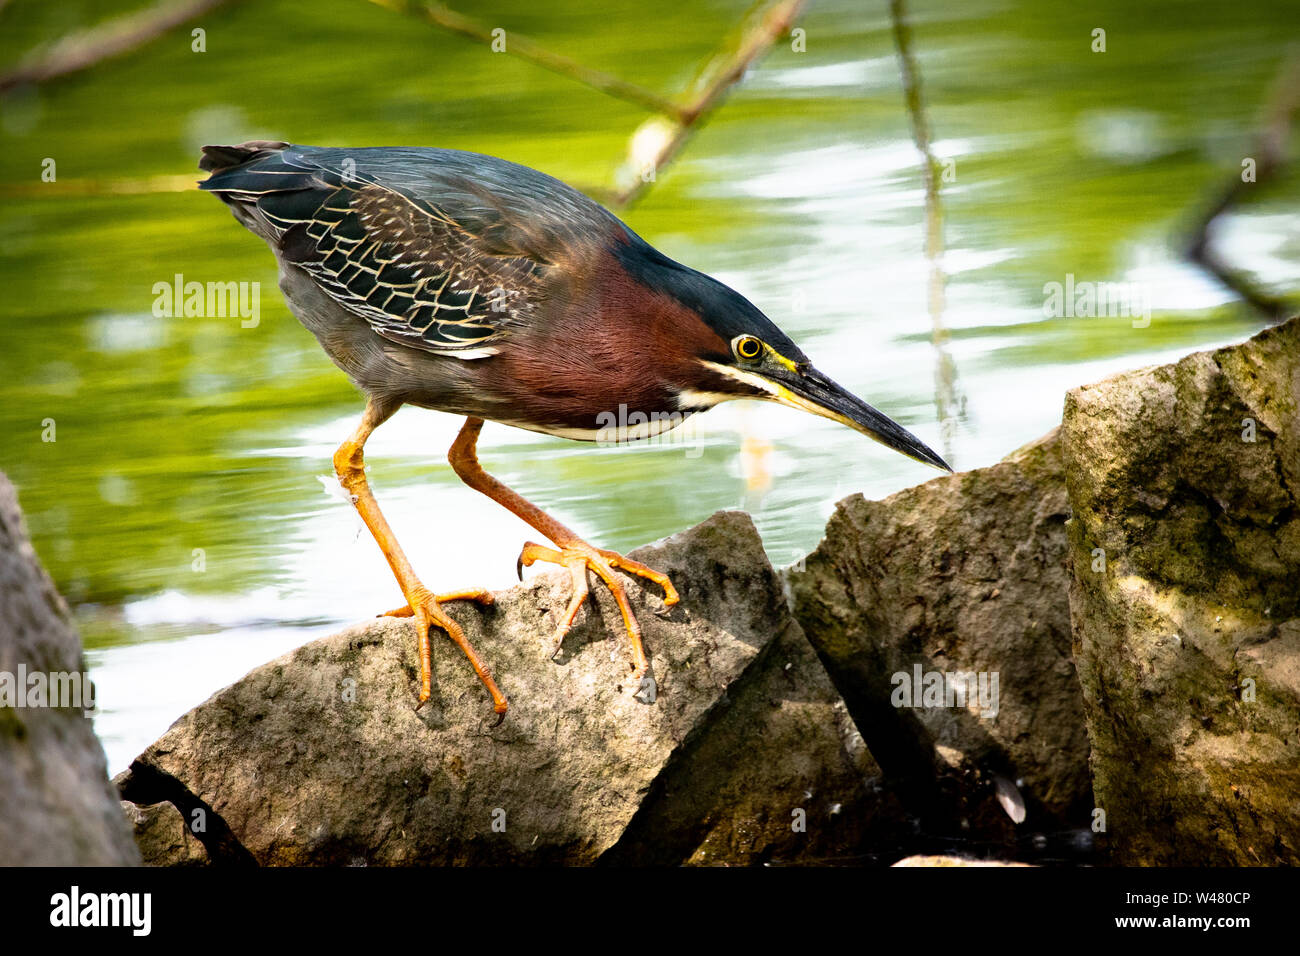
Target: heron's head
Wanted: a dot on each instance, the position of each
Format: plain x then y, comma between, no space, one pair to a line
738,352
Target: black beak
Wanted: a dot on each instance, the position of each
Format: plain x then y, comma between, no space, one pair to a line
812,391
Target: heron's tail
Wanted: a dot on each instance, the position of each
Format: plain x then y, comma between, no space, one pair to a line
216,159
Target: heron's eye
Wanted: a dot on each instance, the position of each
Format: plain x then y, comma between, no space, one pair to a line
748,348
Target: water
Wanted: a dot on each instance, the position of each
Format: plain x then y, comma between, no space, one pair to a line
180,508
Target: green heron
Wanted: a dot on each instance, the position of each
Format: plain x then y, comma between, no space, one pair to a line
464,283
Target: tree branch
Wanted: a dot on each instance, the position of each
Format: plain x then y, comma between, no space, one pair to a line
82,49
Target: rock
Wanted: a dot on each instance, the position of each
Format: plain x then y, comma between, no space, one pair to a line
1185,544
162,836
56,805
966,573
782,776
320,757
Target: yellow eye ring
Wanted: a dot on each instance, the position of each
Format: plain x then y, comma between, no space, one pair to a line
748,347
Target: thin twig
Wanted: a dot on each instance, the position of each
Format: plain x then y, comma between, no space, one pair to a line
947,402
516,44
85,48
1270,155
775,22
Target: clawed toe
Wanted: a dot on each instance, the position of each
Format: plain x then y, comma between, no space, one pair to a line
579,557
427,612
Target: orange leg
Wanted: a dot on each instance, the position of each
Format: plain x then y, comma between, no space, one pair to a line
421,603
574,553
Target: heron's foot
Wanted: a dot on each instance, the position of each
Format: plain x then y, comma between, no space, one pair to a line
481,595
427,611
578,557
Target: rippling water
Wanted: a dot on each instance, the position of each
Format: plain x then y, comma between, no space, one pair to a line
180,508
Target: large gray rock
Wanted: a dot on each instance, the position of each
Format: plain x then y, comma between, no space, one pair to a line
56,805
966,573
320,757
1185,479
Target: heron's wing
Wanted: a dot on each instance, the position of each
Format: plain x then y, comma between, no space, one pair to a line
415,273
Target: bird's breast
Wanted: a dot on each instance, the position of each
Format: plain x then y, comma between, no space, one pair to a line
600,358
